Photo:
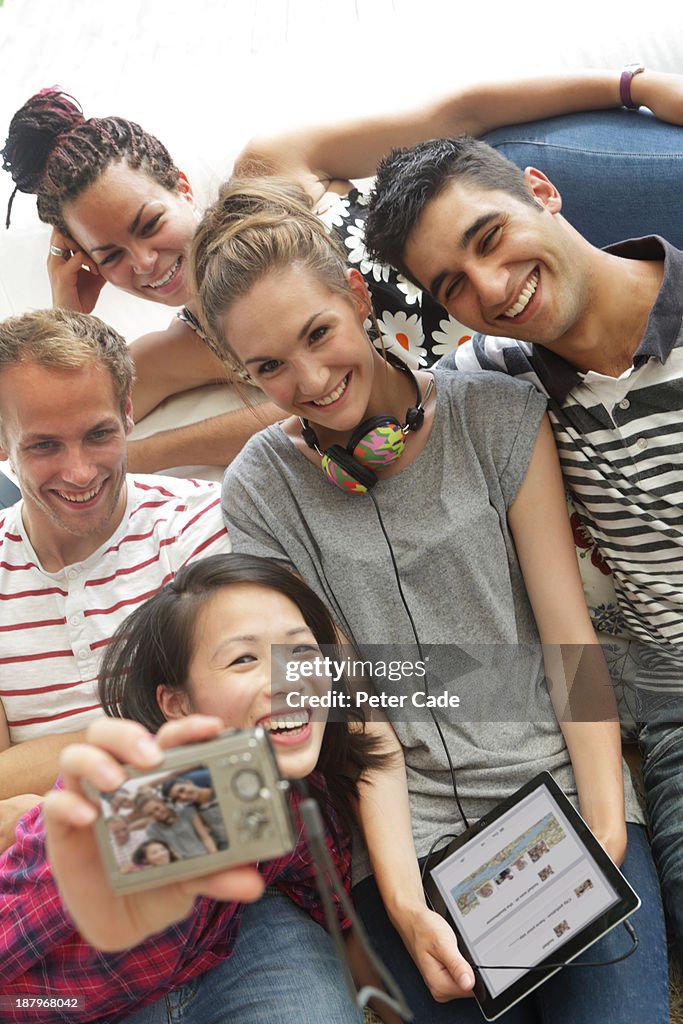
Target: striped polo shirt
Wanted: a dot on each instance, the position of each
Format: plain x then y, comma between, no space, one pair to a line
620,442
55,625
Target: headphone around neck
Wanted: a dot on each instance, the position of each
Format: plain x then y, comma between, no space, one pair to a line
373,445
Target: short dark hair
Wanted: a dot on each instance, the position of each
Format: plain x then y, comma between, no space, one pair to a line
156,643
408,179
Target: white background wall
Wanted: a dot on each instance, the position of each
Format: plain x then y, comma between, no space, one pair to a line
206,74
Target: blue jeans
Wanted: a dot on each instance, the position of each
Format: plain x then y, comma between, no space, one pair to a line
284,969
661,745
627,993
618,172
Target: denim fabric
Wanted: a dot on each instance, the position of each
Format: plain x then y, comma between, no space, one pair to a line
284,969
635,990
661,745
627,993
619,172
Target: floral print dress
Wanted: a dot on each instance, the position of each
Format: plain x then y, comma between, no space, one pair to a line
412,325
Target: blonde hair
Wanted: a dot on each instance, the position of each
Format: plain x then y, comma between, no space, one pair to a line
258,226
64,340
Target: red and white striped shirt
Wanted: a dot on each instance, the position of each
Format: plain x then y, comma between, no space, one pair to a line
55,625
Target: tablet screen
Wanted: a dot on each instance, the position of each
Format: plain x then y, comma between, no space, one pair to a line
523,887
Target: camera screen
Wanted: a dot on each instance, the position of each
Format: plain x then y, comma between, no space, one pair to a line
157,819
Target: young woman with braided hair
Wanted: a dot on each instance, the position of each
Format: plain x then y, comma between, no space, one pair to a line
121,208
89,176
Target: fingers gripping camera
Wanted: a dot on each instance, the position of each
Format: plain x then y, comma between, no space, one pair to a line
207,807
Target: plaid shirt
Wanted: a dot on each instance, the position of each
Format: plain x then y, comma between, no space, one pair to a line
42,954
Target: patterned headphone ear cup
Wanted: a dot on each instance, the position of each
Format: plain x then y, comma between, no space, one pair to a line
366,427
346,472
377,443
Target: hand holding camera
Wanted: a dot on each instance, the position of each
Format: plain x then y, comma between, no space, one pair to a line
111,921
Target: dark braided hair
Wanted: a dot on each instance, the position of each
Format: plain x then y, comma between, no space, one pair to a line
54,152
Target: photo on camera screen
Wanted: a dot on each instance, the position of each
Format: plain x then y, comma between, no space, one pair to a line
208,806
157,819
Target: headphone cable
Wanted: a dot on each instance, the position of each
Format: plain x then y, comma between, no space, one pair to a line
422,658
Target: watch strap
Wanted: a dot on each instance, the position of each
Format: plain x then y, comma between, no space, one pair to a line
627,75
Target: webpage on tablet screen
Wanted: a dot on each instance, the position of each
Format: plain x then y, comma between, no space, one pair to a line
522,888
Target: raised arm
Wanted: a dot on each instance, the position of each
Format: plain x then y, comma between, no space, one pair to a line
75,281
581,687
353,149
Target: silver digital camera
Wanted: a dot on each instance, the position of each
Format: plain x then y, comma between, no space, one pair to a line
206,807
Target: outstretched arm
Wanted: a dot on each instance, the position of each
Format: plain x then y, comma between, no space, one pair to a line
171,361
212,442
177,360
316,155
575,666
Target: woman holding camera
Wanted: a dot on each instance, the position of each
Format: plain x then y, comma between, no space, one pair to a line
192,661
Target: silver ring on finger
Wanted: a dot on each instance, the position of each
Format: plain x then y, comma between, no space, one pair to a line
56,251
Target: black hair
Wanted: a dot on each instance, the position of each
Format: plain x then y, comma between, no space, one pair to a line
54,152
408,179
156,643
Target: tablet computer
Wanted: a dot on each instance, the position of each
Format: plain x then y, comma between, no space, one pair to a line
529,888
